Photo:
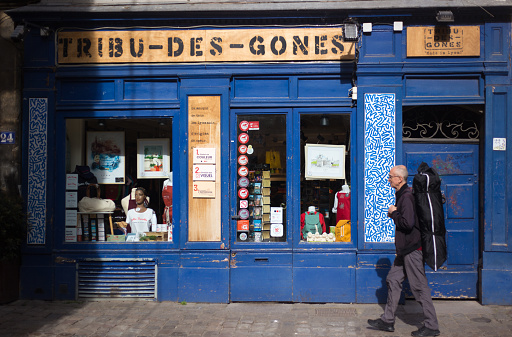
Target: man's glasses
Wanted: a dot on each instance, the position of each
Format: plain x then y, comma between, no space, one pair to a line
391,177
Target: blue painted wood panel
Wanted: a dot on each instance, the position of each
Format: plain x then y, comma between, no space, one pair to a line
442,87
496,278
261,88
80,91
457,165
328,277
150,90
323,87
204,277
261,276
372,270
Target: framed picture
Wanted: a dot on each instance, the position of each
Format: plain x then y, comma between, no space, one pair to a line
105,156
324,161
153,160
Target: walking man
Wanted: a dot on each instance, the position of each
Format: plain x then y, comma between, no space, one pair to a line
408,261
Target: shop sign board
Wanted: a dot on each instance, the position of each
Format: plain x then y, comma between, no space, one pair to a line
443,41
204,172
211,45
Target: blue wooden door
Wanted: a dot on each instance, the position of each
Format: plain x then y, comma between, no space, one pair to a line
457,165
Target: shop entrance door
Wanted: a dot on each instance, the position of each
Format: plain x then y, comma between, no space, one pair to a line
457,165
261,258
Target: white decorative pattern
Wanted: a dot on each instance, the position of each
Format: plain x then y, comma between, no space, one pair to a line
379,158
37,166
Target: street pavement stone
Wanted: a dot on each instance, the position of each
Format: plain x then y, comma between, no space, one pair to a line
131,318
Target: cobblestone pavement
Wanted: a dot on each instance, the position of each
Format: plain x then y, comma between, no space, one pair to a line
146,318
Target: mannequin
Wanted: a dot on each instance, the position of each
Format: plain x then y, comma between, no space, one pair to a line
311,222
342,204
140,218
167,197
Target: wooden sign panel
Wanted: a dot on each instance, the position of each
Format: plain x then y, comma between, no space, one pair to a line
204,198
228,45
443,41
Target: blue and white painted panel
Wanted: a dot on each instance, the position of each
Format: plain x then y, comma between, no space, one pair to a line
37,169
379,158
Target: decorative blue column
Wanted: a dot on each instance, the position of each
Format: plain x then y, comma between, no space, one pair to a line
37,169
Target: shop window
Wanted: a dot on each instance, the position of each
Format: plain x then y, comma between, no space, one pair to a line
261,174
325,178
118,180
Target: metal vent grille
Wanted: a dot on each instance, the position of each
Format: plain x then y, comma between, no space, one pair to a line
113,278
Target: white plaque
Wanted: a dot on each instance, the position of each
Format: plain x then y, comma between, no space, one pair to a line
203,189
499,144
72,182
71,199
205,155
71,218
70,235
276,214
203,173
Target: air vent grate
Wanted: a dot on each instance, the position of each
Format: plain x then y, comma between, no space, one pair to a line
104,278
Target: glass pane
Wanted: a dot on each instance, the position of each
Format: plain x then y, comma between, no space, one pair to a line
325,194
261,178
120,155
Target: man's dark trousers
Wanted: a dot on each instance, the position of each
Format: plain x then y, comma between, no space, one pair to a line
412,267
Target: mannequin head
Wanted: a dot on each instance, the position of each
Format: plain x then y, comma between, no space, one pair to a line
141,196
311,209
345,189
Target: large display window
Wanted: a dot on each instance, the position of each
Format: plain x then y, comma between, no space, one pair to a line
118,180
325,178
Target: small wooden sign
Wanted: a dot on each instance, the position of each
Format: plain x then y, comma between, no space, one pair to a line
443,41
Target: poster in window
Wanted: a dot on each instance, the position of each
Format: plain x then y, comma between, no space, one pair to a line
324,161
153,160
105,156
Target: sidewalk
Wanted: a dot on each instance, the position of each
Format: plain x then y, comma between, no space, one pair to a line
144,318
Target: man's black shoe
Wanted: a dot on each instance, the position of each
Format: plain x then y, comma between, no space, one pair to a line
381,325
424,331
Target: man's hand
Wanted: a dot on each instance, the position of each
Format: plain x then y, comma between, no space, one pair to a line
391,209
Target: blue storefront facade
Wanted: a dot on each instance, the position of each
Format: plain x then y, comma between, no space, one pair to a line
243,109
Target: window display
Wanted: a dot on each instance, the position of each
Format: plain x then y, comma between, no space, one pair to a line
261,178
114,193
325,178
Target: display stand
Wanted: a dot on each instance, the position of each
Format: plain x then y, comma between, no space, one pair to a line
89,228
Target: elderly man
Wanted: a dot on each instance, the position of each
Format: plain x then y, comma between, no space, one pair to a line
408,261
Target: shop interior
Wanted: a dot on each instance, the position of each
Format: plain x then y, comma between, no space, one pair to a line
119,155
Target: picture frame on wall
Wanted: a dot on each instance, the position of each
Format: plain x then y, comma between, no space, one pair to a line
153,159
324,161
106,156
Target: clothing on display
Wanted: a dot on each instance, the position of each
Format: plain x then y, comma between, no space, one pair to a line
311,222
342,204
141,222
167,197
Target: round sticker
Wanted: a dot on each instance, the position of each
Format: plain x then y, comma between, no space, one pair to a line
250,149
243,138
244,203
244,125
243,160
243,182
243,213
242,149
243,171
243,193
243,236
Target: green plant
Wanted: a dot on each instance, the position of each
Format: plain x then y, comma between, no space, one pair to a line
13,226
